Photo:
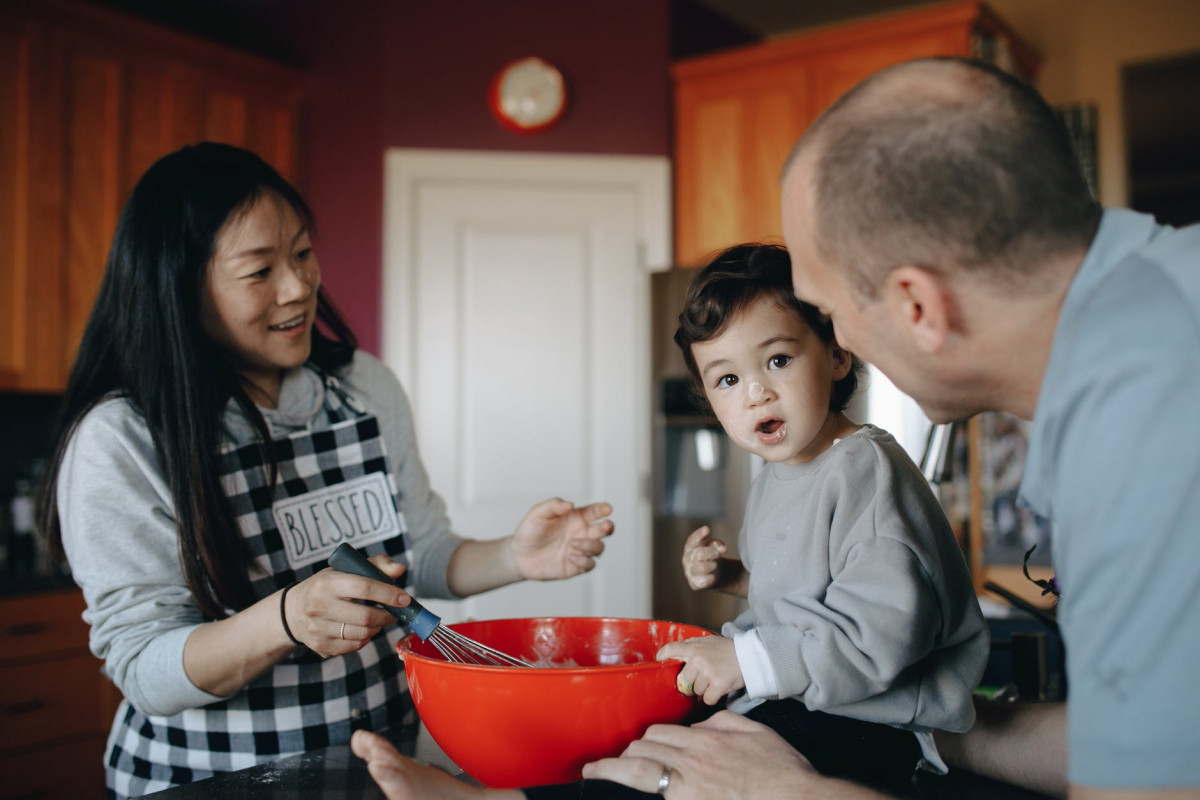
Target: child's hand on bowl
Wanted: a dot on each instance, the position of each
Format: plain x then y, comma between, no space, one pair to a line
710,667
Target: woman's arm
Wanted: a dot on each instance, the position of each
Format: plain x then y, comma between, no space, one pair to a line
223,656
119,534
121,540
555,540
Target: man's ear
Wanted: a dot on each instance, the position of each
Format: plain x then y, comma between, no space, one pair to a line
921,302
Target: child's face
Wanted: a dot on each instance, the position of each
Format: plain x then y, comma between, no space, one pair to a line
768,377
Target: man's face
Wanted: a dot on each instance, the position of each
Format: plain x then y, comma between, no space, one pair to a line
874,330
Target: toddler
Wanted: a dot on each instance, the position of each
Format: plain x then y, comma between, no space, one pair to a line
863,632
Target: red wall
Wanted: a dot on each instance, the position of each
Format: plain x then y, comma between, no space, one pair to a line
415,74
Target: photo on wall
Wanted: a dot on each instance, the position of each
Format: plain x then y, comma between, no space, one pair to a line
1007,530
979,494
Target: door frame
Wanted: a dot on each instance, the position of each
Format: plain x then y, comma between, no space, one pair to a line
409,170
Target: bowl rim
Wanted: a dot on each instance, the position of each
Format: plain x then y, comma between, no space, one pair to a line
403,651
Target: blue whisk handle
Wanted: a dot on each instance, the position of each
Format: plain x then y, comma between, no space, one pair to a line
419,619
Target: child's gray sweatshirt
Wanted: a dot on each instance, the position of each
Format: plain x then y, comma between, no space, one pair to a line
859,591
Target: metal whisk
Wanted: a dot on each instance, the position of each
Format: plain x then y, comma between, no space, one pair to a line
424,623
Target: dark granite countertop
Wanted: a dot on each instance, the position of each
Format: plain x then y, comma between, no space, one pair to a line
335,772
331,772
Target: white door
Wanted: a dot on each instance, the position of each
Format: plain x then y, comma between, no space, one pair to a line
516,311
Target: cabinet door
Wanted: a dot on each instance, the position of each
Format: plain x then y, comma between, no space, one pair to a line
95,98
26,201
738,113
837,71
70,770
733,132
14,177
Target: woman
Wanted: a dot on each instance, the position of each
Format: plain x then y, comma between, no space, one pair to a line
216,446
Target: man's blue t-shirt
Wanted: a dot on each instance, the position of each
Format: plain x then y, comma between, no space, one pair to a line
1114,462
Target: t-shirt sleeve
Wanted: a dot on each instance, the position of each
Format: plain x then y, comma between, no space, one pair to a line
1126,509
122,543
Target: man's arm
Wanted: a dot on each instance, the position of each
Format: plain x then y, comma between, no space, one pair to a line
1022,744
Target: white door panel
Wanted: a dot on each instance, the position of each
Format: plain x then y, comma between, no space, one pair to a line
515,313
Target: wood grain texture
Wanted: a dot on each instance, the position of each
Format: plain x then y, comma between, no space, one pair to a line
95,98
738,113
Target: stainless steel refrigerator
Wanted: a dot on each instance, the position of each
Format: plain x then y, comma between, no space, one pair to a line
700,478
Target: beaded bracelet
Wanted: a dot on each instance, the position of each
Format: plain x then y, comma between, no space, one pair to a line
283,614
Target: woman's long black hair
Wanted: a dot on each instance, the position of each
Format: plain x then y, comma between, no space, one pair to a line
144,342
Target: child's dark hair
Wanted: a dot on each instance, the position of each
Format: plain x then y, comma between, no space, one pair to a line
733,280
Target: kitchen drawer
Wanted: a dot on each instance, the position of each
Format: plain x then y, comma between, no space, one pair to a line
52,699
72,770
42,623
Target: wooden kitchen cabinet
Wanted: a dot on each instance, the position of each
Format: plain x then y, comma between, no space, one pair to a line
90,99
56,706
738,112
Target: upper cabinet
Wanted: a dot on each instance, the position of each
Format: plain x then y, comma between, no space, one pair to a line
738,113
90,99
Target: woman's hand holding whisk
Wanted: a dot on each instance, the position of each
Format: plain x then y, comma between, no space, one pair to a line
321,613
558,540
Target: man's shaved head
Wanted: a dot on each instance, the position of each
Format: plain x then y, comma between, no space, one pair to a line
948,164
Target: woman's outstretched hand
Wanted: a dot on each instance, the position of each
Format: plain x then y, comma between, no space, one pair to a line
557,540
322,614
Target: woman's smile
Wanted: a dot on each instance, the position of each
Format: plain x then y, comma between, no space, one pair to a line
292,328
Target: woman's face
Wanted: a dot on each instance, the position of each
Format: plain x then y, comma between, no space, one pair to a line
258,302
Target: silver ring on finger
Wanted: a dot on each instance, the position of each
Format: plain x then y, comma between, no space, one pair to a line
343,631
664,781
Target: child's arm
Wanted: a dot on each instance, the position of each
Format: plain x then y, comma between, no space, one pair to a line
706,567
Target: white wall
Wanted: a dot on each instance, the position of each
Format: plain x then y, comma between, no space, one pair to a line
1085,43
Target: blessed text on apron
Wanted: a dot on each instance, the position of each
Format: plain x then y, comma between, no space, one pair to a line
358,512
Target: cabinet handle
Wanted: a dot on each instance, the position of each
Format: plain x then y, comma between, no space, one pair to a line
24,629
24,707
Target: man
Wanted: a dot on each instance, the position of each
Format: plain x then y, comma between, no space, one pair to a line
937,213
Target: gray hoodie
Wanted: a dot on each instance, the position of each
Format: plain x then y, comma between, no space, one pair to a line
858,590
119,531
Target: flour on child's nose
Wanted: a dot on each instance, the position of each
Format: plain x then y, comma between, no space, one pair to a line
755,390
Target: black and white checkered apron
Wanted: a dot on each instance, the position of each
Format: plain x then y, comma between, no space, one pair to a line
334,485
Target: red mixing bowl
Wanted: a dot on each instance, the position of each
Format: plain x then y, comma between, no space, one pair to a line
598,688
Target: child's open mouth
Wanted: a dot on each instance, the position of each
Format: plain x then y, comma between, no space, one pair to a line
771,431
